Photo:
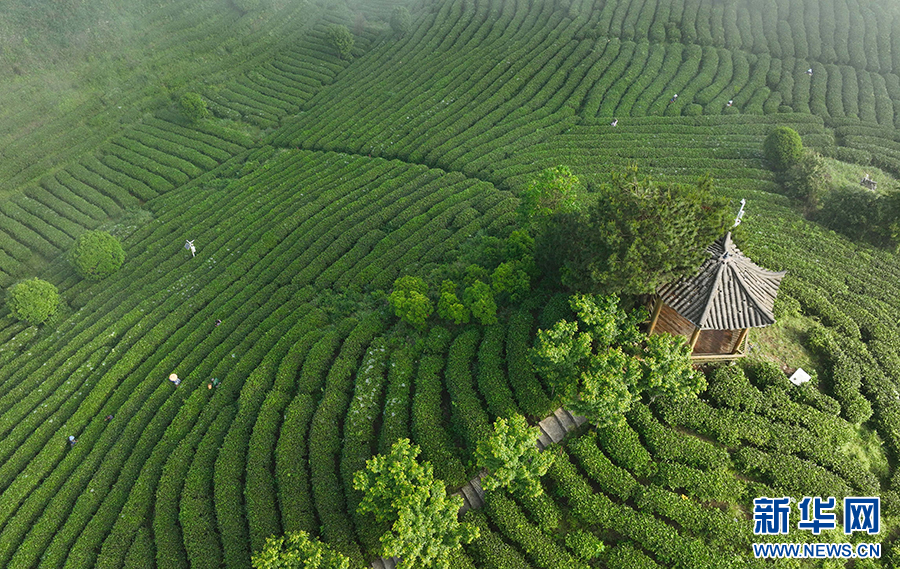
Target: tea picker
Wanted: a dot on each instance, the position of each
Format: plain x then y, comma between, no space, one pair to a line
189,245
174,379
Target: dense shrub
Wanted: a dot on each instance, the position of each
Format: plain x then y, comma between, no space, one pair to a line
808,180
193,107
783,148
295,548
729,387
340,38
96,255
541,549
624,447
410,301
32,300
693,110
489,549
480,300
400,20
585,545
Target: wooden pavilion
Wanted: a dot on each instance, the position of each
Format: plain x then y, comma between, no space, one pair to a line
716,307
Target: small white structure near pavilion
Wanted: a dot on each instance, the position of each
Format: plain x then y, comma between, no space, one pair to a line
800,377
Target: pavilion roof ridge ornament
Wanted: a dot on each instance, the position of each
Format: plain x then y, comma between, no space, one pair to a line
728,292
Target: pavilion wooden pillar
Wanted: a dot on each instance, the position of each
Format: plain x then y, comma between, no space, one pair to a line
655,316
694,337
740,342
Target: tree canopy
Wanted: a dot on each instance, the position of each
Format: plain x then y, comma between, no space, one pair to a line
479,298
602,363
638,235
511,457
555,190
401,20
449,305
297,550
193,107
410,301
399,490
783,148
33,300
96,255
340,39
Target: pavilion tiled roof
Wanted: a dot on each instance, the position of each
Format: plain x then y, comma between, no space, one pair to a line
729,292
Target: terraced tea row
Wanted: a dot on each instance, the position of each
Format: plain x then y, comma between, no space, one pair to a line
44,220
176,45
266,242
526,91
863,35
649,489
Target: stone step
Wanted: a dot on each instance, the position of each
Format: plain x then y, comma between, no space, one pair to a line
382,563
579,419
553,428
471,496
466,504
476,485
565,419
544,439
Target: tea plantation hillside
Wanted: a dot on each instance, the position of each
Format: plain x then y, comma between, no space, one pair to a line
319,180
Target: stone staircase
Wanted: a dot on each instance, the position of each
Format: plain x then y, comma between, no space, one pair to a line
472,494
382,563
554,428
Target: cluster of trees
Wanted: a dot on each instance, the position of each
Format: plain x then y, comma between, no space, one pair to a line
94,256
403,493
193,107
482,289
601,364
340,39
857,212
629,238
417,520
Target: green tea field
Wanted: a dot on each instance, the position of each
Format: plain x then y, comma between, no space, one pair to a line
318,180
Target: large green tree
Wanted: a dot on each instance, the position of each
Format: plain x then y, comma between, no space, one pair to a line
96,255
410,301
33,300
193,107
783,148
449,305
808,180
479,298
555,190
397,489
638,235
602,363
511,457
297,550
340,38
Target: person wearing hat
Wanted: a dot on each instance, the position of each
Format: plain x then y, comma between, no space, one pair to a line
174,379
